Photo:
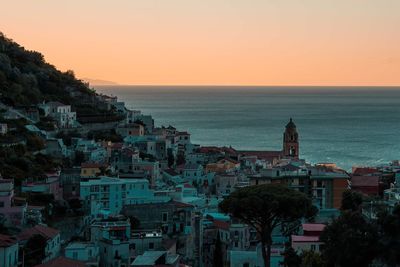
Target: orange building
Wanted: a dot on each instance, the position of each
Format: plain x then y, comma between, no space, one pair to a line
223,166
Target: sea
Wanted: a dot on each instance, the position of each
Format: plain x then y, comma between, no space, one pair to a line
349,126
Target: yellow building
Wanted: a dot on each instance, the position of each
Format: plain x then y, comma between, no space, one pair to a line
90,169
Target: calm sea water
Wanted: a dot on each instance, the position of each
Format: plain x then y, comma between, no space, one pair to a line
348,126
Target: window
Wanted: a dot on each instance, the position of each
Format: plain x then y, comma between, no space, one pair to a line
246,264
75,255
151,245
1,204
313,247
94,188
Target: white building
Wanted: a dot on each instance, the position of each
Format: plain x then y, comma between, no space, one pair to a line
111,194
132,115
111,236
195,173
62,114
8,251
225,184
83,251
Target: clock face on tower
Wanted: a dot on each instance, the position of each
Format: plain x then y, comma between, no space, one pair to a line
291,141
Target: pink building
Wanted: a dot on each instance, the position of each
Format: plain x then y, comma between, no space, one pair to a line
14,214
310,238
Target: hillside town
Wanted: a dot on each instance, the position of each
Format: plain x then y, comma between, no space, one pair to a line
126,192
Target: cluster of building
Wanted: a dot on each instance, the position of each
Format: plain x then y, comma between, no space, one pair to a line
152,199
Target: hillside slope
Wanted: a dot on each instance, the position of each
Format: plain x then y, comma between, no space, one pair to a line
27,79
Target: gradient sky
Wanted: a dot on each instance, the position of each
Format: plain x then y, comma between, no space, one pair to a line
220,42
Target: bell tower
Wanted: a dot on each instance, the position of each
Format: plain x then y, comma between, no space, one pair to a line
291,141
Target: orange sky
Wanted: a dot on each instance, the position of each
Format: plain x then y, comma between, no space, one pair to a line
219,42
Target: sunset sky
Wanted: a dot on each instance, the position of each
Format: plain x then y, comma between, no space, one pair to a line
214,42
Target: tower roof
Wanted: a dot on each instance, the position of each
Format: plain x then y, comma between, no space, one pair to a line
290,124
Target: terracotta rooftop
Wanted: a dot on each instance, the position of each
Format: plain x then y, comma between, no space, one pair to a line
6,241
221,225
267,155
359,171
42,230
215,149
228,159
181,204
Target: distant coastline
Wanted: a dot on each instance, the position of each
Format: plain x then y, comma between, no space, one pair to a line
99,82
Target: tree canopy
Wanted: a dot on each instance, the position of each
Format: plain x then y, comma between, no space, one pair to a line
350,240
389,241
351,200
26,78
265,207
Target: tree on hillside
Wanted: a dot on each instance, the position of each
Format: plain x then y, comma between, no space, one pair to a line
310,258
291,259
266,207
351,200
389,241
349,241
